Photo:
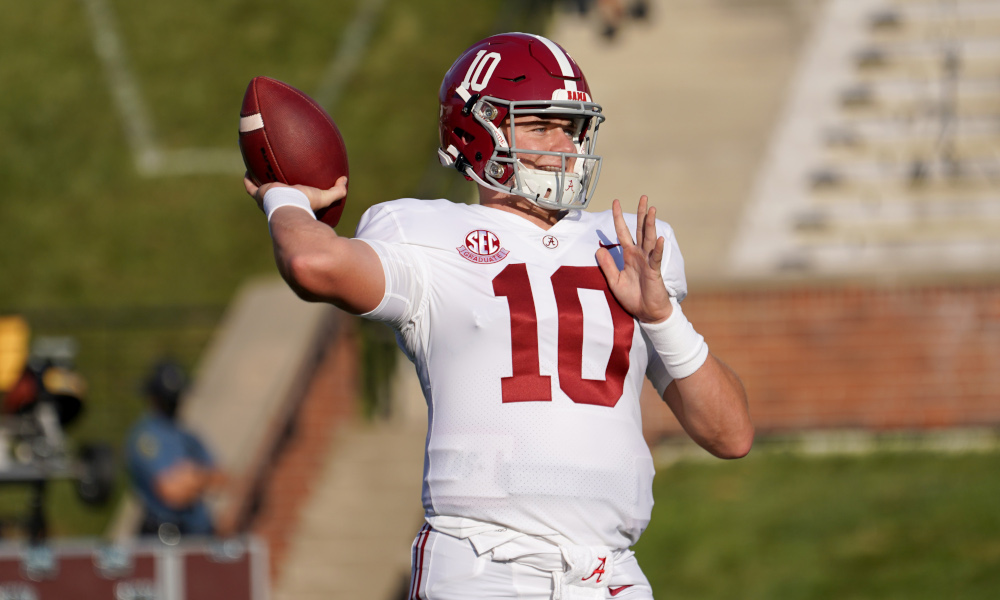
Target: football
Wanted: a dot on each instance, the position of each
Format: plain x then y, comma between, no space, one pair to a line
286,136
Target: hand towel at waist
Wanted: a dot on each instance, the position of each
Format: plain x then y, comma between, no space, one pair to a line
578,572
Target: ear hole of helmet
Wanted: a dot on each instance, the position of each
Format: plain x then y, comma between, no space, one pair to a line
464,135
487,111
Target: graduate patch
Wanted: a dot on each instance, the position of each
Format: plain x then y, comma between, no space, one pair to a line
482,247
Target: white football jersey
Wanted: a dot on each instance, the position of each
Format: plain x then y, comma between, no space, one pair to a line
530,368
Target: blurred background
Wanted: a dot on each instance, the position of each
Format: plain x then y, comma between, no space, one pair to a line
831,169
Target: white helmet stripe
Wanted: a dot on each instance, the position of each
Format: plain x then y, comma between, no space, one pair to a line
562,59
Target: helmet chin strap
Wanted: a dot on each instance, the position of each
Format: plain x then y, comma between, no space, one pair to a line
539,183
550,190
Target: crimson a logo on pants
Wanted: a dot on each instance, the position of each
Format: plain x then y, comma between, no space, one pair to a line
599,571
482,247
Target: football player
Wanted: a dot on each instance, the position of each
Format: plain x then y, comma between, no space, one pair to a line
532,324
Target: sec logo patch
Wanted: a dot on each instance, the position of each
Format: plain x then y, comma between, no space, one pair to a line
482,247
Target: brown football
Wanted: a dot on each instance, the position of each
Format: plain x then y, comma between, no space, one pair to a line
286,136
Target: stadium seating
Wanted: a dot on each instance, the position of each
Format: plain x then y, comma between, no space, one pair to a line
887,159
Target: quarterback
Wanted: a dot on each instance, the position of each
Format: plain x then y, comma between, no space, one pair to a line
531,324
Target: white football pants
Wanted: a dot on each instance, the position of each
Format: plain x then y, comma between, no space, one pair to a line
447,568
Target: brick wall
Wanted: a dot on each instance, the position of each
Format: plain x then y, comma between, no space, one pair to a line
872,358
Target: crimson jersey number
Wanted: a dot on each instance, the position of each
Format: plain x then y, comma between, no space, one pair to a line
527,384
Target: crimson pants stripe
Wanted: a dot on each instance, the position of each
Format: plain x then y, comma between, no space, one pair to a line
419,546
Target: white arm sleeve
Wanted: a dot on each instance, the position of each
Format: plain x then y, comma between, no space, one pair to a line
405,289
672,267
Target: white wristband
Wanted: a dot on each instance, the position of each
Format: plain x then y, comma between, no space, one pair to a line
682,349
277,197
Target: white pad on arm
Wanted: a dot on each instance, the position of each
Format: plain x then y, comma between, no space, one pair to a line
277,197
682,349
404,284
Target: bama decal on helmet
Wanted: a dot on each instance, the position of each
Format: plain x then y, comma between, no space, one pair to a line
571,95
482,247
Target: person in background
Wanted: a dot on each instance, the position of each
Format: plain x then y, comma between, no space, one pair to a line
613,13
170,469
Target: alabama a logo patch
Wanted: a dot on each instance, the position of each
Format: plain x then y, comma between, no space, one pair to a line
482,247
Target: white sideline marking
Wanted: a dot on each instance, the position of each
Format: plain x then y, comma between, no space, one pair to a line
348,56
151,159
108,45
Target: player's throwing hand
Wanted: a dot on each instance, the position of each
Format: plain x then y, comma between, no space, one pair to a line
638,287
318,199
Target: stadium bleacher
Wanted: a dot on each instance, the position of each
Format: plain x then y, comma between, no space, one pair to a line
886,160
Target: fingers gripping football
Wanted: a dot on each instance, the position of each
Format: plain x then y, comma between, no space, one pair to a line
318,199
638,286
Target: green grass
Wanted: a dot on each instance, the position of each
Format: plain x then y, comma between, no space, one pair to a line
885,526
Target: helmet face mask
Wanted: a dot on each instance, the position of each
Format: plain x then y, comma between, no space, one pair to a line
488,88
555,190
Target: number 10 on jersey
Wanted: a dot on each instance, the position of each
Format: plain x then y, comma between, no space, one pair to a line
527,384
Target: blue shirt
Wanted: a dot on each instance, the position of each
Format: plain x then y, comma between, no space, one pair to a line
155,444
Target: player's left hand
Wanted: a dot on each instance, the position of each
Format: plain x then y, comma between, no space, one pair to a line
639,286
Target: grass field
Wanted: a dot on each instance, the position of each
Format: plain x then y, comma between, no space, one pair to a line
882,526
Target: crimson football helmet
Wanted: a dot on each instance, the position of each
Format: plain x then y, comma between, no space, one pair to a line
498,79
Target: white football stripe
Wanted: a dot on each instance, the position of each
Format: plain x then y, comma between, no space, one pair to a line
251,123
562,59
